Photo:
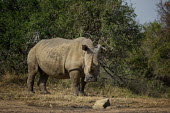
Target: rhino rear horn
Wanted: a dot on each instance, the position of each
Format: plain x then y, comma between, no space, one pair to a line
98,47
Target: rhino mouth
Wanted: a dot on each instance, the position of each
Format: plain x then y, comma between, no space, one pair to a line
90,78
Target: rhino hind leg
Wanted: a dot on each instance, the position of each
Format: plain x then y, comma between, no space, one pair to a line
32,71
42,83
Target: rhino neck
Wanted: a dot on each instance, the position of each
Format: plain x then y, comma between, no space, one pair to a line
74,60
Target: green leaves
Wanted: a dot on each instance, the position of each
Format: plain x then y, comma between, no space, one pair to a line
128,52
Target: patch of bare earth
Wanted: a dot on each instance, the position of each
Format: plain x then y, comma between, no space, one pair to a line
15,99
16,106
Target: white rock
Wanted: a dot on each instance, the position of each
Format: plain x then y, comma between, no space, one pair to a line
101,104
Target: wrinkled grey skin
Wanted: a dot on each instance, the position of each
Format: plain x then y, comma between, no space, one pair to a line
61,58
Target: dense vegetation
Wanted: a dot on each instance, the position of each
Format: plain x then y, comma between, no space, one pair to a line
133,56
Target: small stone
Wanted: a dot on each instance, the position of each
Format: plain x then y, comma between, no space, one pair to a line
101,104
51,106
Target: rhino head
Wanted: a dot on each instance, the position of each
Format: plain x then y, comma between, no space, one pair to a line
91,62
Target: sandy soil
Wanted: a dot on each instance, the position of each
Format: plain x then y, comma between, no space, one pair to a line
16,106
15,99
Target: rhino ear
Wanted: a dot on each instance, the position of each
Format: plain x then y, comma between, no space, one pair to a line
84,47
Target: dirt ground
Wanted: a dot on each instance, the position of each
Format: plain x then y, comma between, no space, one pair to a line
15,99
118,105
21,107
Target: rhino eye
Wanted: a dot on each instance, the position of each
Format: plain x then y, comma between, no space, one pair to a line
92,70
84,47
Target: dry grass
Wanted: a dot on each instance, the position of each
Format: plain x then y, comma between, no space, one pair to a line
14,89
57,98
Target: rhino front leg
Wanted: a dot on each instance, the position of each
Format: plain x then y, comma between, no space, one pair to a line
75,80
83,84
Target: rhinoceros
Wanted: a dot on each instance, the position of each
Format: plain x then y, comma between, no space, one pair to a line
75,59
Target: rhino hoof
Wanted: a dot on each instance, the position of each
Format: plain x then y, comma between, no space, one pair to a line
31,92
82,94
45,92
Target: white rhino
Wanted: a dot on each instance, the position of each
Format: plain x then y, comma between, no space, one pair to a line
76,59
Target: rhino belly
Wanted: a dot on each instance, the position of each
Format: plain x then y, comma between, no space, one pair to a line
53,67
